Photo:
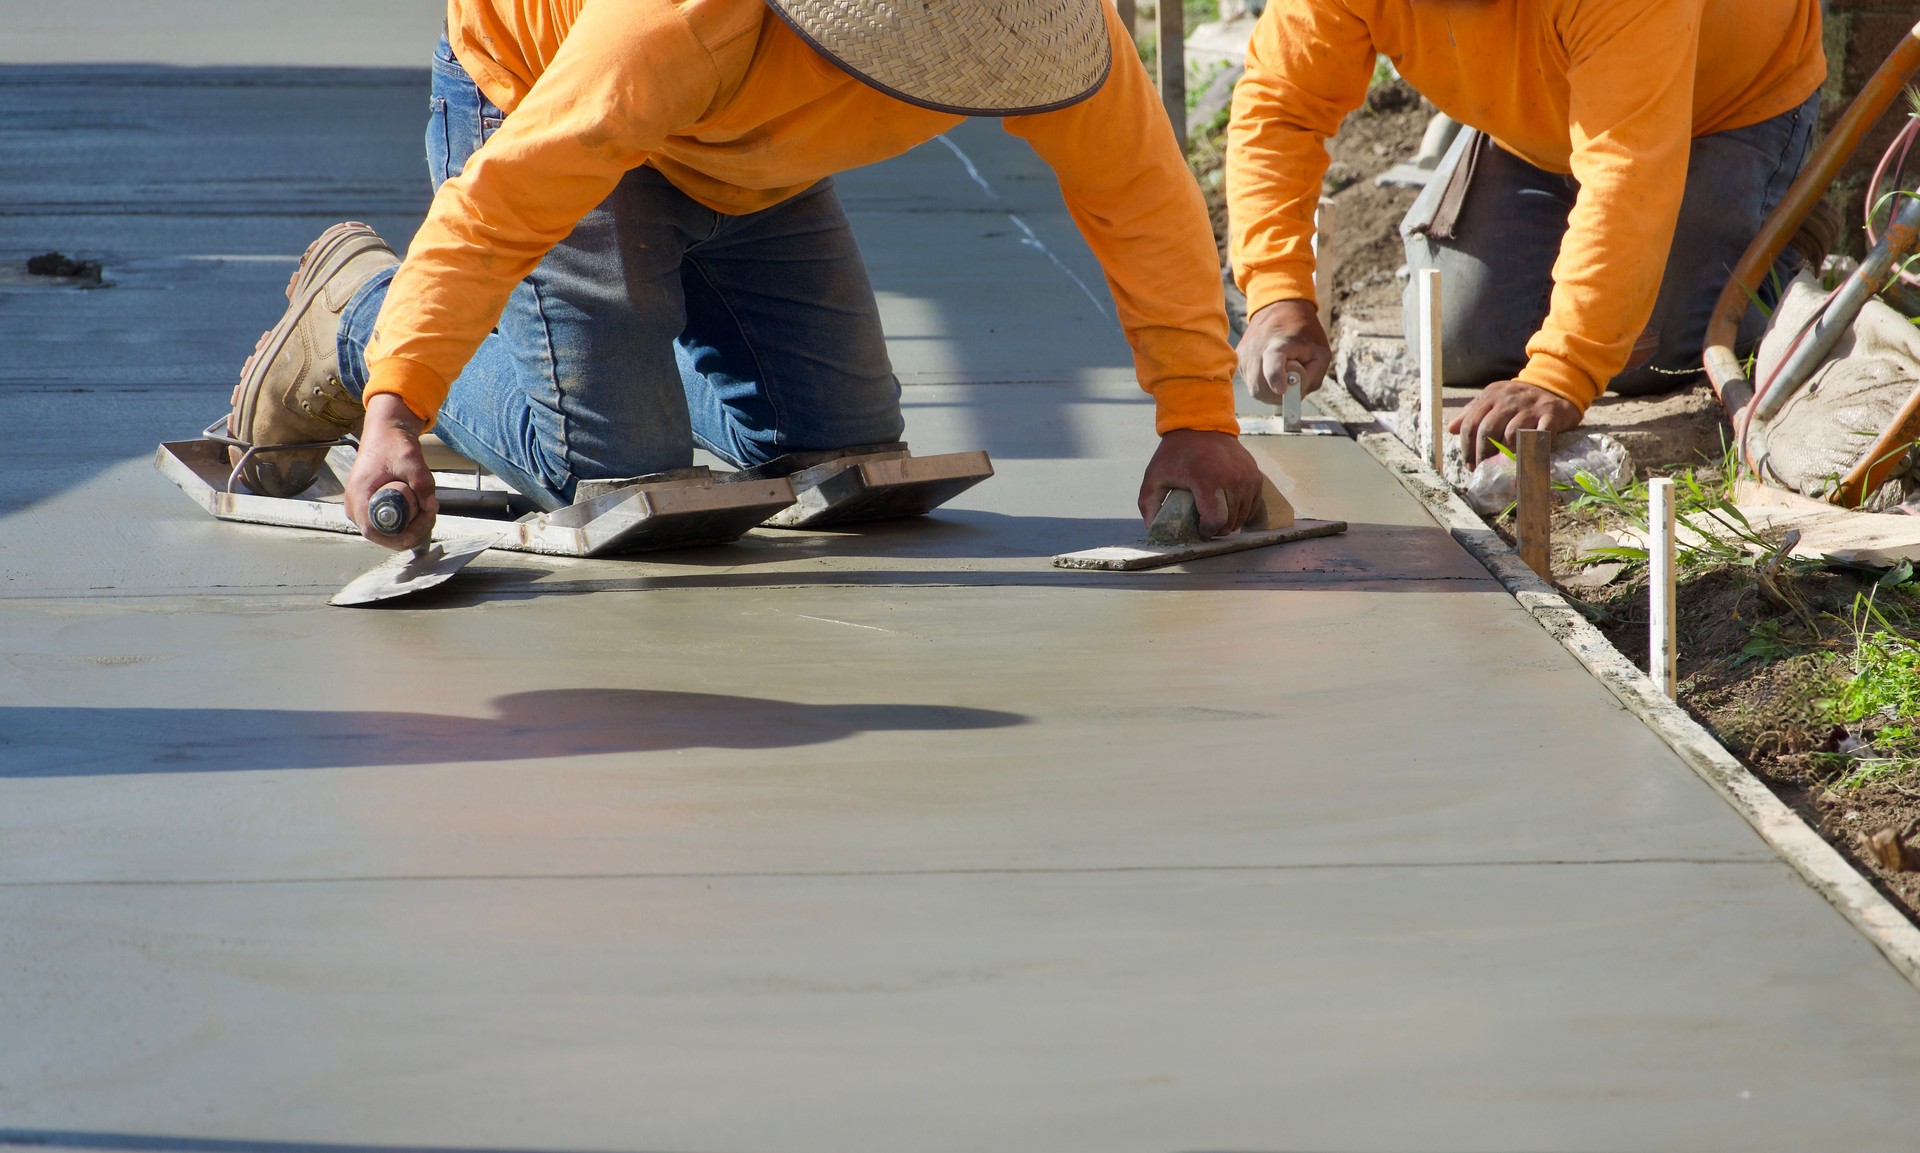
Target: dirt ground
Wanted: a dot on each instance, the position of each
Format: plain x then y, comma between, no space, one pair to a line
1760,674
1364,249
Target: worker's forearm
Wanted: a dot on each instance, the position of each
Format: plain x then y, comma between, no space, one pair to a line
1308,65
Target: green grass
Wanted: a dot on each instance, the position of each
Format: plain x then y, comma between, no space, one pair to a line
1703,503
1882,697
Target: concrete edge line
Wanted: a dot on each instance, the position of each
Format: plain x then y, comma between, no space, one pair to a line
1818,862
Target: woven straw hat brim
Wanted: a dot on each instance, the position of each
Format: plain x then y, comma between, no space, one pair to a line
967,57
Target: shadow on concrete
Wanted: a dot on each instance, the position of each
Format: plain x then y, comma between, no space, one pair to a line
76,742
947,534
154,1143
1010,551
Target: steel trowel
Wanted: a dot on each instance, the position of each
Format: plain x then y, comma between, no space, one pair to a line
406,573
1174,535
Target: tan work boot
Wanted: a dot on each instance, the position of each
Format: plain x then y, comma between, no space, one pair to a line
290,390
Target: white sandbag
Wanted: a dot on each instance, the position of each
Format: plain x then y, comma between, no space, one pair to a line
1825,427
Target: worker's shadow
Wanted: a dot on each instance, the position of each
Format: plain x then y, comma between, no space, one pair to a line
73,742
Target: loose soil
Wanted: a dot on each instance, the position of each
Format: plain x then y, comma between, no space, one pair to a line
1364,246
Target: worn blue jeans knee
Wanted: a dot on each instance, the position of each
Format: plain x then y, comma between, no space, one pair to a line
658,324
1497,268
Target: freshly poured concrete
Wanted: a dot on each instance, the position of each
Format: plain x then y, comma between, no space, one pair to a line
892,840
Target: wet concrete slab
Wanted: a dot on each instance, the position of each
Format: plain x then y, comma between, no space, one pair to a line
1016,1009
351,33
891,839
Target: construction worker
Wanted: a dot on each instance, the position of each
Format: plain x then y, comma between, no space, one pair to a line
1627,152
635,245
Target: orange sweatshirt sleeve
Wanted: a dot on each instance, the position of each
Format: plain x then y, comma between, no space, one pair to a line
1308,65
1630,84
628,74
1130,192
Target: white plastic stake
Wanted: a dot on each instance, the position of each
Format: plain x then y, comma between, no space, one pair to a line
1662,659
1432,413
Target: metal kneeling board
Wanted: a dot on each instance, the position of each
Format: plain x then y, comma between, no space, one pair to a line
878,486
684,509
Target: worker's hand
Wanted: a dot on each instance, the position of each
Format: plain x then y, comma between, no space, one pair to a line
1220,474
1501,410
390,451
1286,332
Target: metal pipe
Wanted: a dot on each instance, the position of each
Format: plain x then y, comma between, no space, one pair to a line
1833,321
1723,367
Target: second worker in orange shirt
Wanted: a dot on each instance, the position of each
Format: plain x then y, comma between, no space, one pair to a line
635,245
1627,152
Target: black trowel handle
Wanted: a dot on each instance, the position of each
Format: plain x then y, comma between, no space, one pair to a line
390,510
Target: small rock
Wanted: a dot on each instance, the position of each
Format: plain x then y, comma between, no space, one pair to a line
1392,97
61,265
1595,576
1855,746
1892,854
1593,542
1372,363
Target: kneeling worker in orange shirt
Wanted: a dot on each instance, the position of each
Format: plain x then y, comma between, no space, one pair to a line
635,246
1627,152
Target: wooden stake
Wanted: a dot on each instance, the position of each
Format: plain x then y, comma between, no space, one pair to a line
1535,517
1126,14
1170,52
1662,659
1432,413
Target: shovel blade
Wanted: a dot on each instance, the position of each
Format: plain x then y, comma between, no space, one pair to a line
406,573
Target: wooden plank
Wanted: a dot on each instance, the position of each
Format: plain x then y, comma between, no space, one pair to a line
1534,528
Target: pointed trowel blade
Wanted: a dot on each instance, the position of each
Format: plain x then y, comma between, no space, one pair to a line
405,573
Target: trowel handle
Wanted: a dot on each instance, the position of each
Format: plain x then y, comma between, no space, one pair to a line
389,510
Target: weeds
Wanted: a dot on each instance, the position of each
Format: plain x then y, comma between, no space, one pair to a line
1718,533
1766,645
1879,706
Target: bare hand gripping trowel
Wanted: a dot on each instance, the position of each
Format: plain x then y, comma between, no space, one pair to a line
1174,536
404,573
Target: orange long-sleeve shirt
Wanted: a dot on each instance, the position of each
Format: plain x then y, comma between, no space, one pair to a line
739,113
1611,91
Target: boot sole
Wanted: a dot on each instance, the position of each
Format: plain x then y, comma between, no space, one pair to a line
302,291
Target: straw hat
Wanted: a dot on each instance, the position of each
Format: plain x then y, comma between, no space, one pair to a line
969,57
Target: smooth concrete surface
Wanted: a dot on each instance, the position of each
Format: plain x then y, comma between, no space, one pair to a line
896,839
352,33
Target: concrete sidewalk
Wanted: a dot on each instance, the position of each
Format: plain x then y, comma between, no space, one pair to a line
889,840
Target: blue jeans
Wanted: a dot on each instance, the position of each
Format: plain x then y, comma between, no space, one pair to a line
657,324
1497,268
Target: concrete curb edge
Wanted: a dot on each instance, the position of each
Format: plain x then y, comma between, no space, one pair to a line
1804,848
